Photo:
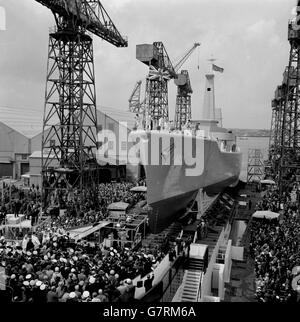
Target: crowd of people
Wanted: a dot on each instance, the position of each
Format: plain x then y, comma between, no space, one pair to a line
18,201
275,247
47,266
50,268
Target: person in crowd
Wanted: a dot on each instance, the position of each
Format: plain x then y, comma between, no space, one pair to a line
148,282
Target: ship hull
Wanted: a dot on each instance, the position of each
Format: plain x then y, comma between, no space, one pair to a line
170,187
164,212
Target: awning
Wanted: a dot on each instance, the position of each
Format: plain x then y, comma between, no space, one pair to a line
78,234
139,189
267,181
5,160
115,160
242,203
26,175
265,214
118,206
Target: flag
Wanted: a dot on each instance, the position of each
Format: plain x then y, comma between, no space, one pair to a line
217,69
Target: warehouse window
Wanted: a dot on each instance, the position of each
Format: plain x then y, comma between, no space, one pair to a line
124,145
24,156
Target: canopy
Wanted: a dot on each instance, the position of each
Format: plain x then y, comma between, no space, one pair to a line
265,214
267,181
139,189
118,206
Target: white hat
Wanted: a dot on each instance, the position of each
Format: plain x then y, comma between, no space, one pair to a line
56,269
112,254
13,276
73,270
28,253
42,287
95,299
26,283
34,252
38,283
128,281
32,282
28,276
45,257
85,294
92,280
72,295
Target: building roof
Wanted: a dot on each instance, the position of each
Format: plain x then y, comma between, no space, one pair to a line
119,115
29,121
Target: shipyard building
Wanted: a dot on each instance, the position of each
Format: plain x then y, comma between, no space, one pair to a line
21,141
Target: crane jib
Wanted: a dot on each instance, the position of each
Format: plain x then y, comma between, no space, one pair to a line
89,15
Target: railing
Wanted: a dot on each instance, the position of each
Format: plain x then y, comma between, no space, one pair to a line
199,288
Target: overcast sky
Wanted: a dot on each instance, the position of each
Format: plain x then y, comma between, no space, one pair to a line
249,39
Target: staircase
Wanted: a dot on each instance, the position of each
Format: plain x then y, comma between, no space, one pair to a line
191,281
157,240
211,239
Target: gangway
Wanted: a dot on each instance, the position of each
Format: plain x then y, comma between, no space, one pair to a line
190,288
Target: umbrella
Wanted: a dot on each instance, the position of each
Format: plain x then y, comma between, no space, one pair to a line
265,214
296,284
267,181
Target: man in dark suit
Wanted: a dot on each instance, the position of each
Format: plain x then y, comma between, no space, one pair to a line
148,283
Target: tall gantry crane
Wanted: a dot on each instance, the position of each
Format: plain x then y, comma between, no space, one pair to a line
135,98
183,111
70,119
289,164
161,70
276,128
